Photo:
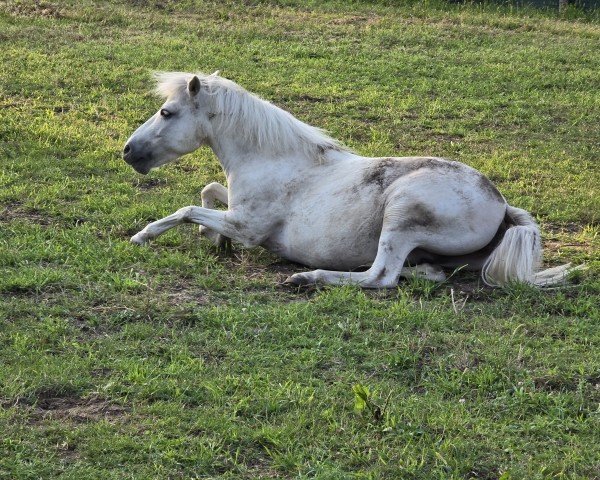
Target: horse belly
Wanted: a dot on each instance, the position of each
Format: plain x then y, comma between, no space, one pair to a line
341,239
441,207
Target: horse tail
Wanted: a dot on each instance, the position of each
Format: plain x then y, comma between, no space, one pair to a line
518,256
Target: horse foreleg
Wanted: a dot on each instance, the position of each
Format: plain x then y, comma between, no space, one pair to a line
222,222
214,191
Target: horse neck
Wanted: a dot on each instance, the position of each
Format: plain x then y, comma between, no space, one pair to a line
292,144
237,155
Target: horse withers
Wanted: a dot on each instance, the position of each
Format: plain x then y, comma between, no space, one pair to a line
302,195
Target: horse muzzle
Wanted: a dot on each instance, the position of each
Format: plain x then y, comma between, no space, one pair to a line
138,160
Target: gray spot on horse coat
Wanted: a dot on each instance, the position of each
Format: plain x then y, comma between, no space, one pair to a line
417,216
490,189
387,248
380,171
432,163
384,171
381,274
239,226
322,149
463,196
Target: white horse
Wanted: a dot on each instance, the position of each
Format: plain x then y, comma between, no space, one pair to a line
302,195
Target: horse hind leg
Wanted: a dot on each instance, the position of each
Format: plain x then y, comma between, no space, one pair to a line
214,191
393,248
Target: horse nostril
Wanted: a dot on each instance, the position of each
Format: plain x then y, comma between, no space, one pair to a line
127,149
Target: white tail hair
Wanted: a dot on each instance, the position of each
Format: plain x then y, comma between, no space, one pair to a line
518,256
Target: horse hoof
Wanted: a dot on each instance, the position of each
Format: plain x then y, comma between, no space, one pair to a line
435,276
138,239
299,280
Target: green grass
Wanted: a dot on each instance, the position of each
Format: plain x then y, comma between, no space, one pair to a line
177,361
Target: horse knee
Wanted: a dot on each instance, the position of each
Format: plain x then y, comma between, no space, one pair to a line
208,189
184,213
211,192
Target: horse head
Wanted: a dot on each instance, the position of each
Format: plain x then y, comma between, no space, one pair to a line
180,126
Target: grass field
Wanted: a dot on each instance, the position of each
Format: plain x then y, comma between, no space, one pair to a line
177,361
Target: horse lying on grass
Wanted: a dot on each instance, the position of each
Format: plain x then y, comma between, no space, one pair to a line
302,195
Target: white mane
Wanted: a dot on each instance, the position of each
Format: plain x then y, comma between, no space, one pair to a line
256,120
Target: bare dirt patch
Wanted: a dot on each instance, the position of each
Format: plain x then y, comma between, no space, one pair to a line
79,410
567,236
556,383
150,183
32,9
267,266
16,211
565,228
555,247
186,293
284,269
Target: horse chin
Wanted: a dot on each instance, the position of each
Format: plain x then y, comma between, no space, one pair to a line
148,163
142,168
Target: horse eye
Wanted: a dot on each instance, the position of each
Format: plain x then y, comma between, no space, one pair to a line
165,113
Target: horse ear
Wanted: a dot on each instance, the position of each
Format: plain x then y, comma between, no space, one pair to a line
194,86
215,73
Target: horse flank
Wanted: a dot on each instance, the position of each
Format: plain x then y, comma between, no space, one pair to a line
256,121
